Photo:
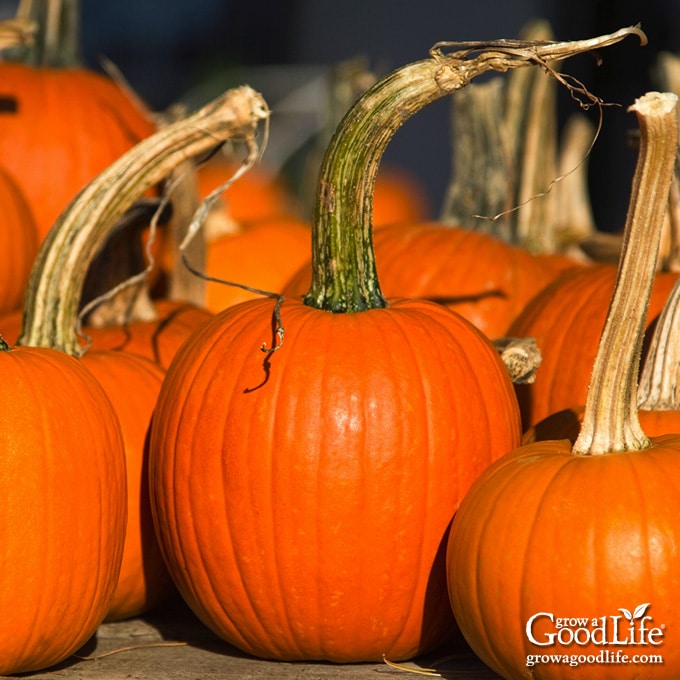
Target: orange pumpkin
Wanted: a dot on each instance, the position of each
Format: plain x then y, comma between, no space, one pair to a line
61,127
132,383
398,196
566,319
63,511
50,311
62,123
329,467
258,194
261,255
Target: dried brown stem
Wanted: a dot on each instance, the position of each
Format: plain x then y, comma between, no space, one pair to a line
610,421
53,295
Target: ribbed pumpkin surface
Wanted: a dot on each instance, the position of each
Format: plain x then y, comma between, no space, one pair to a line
60,128
576,536
132,383
63,510
302,500
566,319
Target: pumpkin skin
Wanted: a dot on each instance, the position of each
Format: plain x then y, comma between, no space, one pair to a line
481,277
398,197
18,244
62,127
302,498
63,512
255,196
261,254
132,383
157,340
604,527
566,319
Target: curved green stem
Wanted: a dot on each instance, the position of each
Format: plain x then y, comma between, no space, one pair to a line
53,296
344,277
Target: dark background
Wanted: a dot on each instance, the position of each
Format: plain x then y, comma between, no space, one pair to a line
192,50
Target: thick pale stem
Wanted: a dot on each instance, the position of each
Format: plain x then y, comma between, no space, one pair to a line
659,388
344,276
54,290
57,41
610,421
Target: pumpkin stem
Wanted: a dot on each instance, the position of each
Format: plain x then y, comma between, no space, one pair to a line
610,421
344,277
54,290
505,146
57,40
660,377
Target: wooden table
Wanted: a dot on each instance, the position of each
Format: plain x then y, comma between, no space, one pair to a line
171,644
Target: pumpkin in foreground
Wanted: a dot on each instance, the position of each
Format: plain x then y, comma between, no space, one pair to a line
563,560
302,497
63,514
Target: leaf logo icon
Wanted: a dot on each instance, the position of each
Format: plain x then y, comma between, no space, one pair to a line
640,610
637,614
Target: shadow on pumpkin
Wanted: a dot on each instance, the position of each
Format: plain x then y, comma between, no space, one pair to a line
452,658
451,300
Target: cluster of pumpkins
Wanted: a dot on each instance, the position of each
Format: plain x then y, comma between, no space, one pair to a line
292,471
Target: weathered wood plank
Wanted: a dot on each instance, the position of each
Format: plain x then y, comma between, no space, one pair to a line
171,644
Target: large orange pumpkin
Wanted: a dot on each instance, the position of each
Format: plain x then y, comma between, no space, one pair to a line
50,311
301,495
301,499
63,509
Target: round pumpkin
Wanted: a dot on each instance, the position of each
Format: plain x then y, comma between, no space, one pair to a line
301,499
580,541
63,512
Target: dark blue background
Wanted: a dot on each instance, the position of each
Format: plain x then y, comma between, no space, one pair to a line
193,49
